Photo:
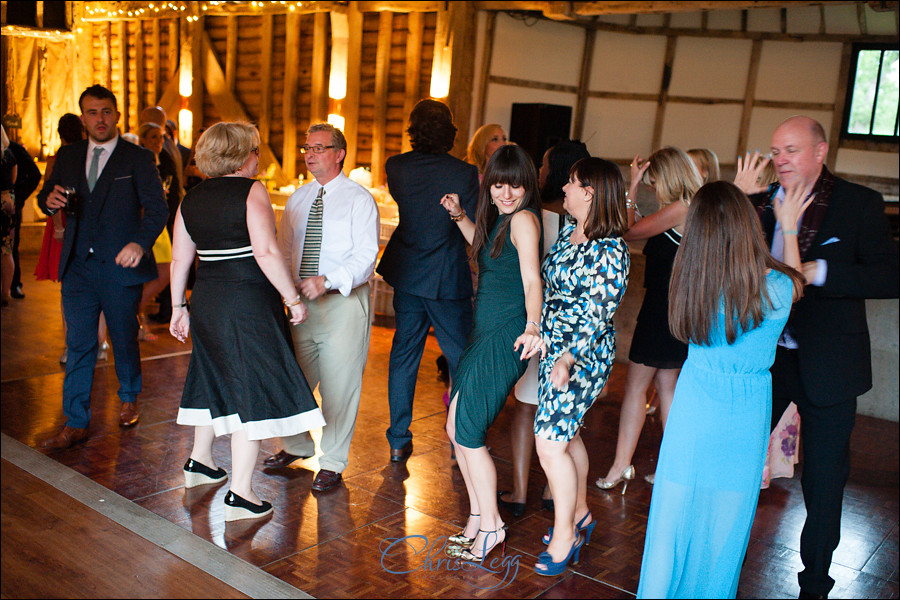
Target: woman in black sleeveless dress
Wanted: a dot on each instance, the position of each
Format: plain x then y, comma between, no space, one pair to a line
656,357
243,378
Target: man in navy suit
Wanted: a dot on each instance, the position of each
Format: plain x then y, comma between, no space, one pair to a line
117,214
823,360
425,260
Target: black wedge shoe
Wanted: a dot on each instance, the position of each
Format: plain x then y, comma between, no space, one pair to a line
236,508
196,473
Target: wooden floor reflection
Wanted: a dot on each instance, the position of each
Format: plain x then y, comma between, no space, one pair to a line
344,543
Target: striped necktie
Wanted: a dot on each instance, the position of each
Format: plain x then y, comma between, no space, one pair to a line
312,242
95,166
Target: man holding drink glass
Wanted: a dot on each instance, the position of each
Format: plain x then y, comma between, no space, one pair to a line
116,206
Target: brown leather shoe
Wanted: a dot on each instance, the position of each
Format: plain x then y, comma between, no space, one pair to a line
129,415
401,454
66,438
325,480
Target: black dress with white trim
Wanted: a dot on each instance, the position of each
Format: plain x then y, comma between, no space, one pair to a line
242,373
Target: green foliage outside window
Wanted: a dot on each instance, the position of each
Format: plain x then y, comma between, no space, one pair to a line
876,94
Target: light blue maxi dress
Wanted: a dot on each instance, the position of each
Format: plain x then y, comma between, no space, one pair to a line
711,461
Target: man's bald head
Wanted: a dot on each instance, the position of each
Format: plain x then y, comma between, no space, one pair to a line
154,114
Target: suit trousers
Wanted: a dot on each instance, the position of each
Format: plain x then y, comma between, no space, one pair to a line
88,288
332,347
825,437
414,315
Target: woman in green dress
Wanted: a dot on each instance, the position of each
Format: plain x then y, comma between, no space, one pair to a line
505,237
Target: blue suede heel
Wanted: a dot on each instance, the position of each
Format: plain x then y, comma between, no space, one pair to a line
545,565
582,528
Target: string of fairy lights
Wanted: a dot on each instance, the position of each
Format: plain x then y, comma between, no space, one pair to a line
109,10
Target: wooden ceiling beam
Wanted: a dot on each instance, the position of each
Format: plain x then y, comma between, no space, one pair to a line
574,10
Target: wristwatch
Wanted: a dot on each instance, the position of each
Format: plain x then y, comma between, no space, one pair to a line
326,282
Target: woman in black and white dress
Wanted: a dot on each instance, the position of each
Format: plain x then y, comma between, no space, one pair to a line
243,378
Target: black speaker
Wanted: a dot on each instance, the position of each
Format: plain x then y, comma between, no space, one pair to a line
537,127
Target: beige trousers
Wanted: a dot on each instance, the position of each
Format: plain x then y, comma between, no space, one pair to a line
332,346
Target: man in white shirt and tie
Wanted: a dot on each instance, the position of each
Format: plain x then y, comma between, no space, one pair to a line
115,211
329,235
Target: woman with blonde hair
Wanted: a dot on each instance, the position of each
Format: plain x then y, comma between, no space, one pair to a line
150,136
243,378
730,300
655,355
484,143
707,163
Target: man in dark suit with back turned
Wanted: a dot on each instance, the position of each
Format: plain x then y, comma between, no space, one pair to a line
106,258
425,260
823,361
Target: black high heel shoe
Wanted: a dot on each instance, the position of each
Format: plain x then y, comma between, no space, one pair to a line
236,508
516,509
196,473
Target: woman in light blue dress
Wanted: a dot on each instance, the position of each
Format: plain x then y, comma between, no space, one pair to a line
729,299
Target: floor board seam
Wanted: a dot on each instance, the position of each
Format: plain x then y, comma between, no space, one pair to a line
204,555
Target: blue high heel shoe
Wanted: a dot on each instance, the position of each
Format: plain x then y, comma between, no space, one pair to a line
545,565
583,529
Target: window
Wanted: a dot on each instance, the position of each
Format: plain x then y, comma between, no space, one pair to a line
874,96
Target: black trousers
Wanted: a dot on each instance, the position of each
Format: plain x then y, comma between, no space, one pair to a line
825,436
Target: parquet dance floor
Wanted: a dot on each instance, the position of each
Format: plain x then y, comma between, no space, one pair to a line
347,542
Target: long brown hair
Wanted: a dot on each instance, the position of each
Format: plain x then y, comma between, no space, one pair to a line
509,164
721,267
606,217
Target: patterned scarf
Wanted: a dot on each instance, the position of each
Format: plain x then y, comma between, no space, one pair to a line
812,217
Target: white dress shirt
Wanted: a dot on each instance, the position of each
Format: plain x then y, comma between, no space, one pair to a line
108,148
350,232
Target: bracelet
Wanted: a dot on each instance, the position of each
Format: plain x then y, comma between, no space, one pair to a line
295,302
182,305
536,324
59,229
789,232
457,218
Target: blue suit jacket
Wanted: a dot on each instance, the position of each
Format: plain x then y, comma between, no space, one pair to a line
127,205
426,255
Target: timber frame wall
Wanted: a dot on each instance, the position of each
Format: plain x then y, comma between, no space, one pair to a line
672,28
270,65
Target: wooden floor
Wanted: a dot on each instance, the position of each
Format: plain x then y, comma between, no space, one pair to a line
343,543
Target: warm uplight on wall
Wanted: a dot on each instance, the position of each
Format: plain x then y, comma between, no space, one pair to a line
340,42
440,74
185,127
336,121
185,86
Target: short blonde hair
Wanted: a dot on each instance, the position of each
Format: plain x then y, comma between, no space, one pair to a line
224,147
706,160
675,175
475,151
145,128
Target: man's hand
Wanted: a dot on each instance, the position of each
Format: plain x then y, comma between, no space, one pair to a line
313,287
56,199
130,256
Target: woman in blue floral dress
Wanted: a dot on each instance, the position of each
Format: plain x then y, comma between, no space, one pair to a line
585,276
